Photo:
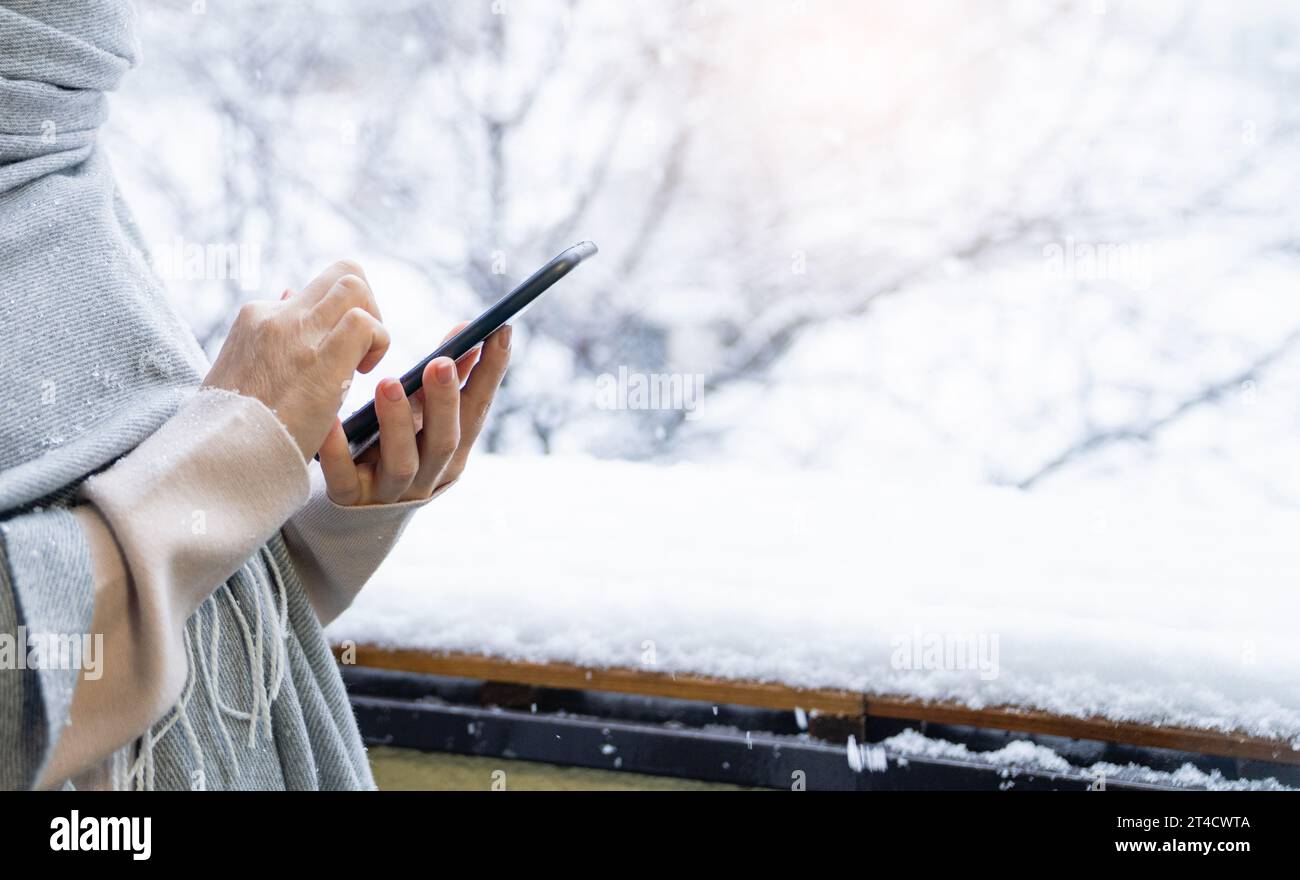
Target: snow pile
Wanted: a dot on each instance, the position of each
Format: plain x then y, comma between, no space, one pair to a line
1152,608
1021,755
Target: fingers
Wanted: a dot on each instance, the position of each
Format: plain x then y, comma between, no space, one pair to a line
476,399
329,301
357,339
441,433
465,362
424,442
454,330
342,481
315,291
348,292
399,457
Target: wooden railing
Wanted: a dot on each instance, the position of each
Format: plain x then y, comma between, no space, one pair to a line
829,702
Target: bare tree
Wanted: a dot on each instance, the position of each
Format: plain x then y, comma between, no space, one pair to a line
754,173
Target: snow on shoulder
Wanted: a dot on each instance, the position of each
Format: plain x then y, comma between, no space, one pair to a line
1089,603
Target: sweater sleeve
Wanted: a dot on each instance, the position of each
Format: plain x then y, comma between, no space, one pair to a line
167,525
336,549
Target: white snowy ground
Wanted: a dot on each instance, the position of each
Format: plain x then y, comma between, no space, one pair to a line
1132,607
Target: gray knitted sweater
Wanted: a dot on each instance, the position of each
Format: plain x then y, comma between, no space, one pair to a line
93,362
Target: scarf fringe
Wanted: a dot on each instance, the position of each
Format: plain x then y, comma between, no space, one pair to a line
268,632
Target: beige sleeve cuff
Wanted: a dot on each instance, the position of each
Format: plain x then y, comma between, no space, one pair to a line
192,503
168,524
336,549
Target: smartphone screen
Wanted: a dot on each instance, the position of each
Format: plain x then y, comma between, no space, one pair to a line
362,426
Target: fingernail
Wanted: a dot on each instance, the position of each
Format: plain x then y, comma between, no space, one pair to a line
446,371
393,390
504,339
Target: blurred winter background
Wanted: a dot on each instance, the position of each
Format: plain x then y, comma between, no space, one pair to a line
1028,243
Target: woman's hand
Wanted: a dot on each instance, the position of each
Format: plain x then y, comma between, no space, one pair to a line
424,442
298,355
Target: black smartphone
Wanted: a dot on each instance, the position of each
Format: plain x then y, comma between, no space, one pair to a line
362,427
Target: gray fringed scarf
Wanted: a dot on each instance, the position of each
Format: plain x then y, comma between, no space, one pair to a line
93,361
